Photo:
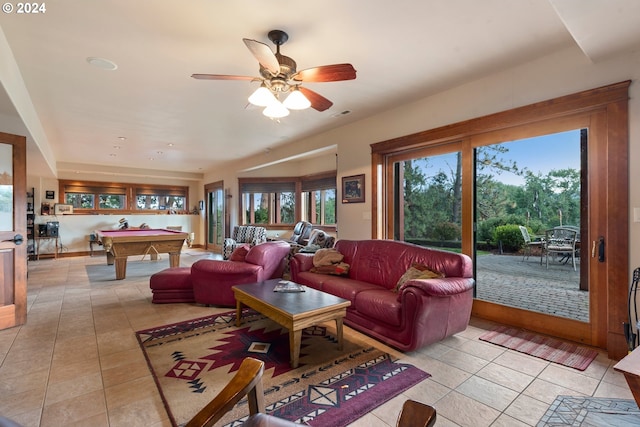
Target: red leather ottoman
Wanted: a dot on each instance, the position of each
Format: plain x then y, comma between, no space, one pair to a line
172,285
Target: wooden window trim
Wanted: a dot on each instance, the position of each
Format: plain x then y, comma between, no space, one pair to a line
130,192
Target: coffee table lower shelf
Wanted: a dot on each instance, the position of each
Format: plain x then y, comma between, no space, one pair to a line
292,310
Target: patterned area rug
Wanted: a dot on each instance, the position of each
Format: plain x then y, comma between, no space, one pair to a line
591,412
193,360
547,348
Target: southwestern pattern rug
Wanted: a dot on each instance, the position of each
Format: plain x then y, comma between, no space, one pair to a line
193,360
547,348
591,412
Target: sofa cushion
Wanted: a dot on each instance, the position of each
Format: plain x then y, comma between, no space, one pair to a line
347,288
379,304
239,253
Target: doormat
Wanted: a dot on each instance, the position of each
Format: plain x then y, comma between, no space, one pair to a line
590,411
547,348
193,360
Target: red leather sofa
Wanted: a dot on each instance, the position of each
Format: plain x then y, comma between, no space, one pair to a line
421,312
209,281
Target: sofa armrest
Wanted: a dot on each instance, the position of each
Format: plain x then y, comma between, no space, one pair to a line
438,287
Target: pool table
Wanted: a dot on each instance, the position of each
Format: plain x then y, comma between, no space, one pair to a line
119,244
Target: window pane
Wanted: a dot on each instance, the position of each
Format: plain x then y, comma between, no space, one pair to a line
329,206
112,201
80,200
287,207
147,202
261,208
432,200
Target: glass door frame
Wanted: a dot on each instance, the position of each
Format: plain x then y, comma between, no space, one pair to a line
214,196
604,111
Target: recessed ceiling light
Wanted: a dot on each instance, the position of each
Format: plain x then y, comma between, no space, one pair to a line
112,154
122,138
160,152
170,144
117,147
105,64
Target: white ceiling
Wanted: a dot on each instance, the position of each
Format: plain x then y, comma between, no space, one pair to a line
402,51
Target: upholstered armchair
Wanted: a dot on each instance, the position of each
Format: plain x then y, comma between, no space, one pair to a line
301,233
212,279
243,234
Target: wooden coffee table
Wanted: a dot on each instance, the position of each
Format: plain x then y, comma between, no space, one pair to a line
292,310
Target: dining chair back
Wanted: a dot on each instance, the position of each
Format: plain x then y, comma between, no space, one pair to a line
562,241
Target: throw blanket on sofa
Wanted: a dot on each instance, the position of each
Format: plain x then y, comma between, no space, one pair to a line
326,257
329,261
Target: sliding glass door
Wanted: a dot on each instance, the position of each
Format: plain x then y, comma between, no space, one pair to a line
537,197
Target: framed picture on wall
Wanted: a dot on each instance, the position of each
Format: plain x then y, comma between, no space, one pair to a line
49,194
353,189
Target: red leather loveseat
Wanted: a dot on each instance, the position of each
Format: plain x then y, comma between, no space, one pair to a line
420,312
209,281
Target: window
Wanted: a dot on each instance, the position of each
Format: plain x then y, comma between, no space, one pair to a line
121,197
155,198
289,200
268,202
319,200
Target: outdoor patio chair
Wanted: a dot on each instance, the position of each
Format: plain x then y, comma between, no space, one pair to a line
528,243
563,241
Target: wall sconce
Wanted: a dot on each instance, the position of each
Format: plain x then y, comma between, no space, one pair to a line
201,204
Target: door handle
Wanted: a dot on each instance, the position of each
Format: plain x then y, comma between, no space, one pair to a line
17,239
600,246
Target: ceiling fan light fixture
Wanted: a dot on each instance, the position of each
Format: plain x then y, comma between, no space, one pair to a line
262,97
276,110
296,100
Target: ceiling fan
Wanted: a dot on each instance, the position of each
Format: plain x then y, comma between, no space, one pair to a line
279,76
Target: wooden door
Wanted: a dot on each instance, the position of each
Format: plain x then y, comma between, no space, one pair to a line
13,242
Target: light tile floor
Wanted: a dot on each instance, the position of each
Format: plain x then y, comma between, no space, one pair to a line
77,363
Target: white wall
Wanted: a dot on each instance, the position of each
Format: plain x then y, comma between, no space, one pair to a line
75,229
565,72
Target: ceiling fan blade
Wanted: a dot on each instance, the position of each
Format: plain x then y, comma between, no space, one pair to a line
264,55
221,77
318,102
326,73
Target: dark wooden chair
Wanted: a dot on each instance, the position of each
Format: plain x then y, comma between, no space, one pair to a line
416,414
248,382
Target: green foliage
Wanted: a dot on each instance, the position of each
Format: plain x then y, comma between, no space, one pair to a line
429,201
510,236
432,198
487,228
447,231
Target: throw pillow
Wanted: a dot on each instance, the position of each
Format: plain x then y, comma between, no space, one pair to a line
417,271
340,269
239,253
